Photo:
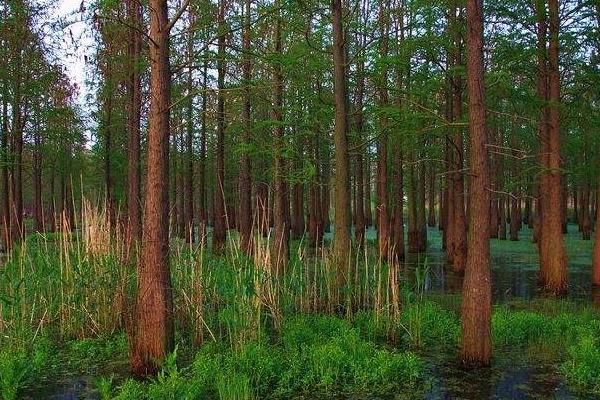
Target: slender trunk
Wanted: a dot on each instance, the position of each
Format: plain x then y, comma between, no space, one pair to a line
219,217
38,213
245,166
134,226
368,209
383,223
431,199
201,183
16,207
189,157
6,230
476,308
154,334
398,248
280,249
596,254
586,225
457,243
359,165
108,151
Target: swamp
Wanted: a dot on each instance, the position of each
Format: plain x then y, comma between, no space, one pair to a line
299,199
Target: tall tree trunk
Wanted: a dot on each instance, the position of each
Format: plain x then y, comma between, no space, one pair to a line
38,213
596,254
553,266
280,249
202,215
154,331
6,230
431,199
134,226
368,188
341,243
359,166
476,308
16,177
383,223
398,248
219,218
457,241
245,166
586,225
189,156
108,152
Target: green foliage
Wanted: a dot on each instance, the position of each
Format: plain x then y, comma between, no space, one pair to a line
20,364
582,368
426,324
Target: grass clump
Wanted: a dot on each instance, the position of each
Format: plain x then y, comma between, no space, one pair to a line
582,367
317,356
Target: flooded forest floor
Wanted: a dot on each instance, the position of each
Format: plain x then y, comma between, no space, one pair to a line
543,347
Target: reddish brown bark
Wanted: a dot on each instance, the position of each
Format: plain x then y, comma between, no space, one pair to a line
188,198
6,230
219,218
38,213
134,88
585,220
596,254
359,174
476,308
553,264
245,165
201,181
383,218
280,248
341,241
457,235
154,330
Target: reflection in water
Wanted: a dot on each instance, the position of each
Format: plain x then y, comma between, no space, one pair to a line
514,272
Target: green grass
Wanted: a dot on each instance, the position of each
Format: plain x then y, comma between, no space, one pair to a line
62,306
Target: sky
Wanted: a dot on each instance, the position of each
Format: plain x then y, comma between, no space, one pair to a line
73,44
70,47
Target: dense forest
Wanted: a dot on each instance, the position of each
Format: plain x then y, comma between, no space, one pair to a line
250,199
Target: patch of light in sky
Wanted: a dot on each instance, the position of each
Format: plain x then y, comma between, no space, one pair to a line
71,46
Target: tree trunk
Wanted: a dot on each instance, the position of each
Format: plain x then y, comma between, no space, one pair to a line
383,222
134,226
457,241
341,242
38,213
189,156
219,218
360,223
6,230
154,334
586,225
202,215
245,165
476,308
368,210
280,248
553,266
431,199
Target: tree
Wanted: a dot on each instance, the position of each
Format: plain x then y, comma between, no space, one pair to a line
219,214
553,261
134,96
341,243
476,308
245,168
154,330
